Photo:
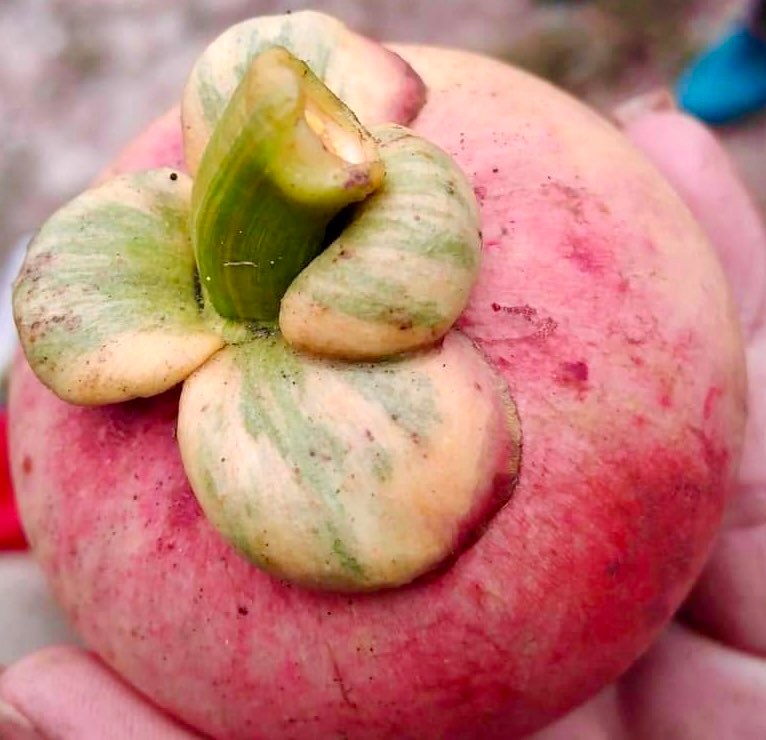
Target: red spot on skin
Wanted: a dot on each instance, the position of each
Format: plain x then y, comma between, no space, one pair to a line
26,465
478,594
623,285
710,401
666,391
184,510
581,252
163,545
574,372
480,192
573,375
716,457
650,246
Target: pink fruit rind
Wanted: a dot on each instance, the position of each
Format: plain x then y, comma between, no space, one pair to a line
601,305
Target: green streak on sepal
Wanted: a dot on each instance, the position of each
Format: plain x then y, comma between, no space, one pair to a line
105,302
401,271
350,478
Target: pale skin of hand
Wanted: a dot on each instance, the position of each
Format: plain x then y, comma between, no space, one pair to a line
705,678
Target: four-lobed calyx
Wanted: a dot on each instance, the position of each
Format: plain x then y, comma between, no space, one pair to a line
302,285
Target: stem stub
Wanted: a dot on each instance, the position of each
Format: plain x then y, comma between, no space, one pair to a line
286,157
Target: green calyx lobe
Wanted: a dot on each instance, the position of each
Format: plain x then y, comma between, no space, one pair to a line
285,158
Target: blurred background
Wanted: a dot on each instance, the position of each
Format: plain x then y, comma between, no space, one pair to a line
79,77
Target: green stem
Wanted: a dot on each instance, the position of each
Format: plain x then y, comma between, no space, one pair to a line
285,158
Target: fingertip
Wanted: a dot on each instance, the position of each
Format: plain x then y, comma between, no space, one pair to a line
39,662
67,693
689,686
654,101
14,725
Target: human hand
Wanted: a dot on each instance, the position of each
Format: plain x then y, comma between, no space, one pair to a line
64,693
705,677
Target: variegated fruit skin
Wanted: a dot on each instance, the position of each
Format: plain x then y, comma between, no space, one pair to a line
602,306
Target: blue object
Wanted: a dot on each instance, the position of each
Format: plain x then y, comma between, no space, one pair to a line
728,82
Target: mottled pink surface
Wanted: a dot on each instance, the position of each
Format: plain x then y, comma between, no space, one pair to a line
604,309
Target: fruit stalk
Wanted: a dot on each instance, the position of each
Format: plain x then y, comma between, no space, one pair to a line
285,159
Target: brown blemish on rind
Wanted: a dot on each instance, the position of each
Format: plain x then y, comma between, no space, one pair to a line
524,323
567,197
